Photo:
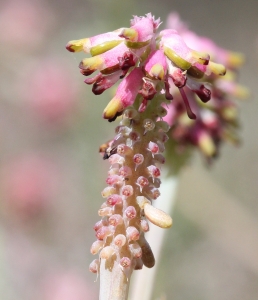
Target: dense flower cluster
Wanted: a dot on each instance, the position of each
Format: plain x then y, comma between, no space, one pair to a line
155,69
160,62
217,120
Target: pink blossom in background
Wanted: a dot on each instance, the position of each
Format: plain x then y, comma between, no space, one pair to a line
51,92
67,285
24,23
28,184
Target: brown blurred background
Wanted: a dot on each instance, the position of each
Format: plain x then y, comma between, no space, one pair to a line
51,173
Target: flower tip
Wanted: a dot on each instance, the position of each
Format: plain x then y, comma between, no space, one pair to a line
112,110
75,45
129,34
217,69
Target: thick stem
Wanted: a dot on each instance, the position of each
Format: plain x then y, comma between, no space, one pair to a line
114,283
156,236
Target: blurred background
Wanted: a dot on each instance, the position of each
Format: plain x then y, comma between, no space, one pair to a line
51,173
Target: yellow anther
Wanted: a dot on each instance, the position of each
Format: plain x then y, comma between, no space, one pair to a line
217,69
200,57
157,72
76,45
101,48
176,59
113,107
130,34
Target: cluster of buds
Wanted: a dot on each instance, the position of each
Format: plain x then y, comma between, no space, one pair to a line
135,156
154,68
217,120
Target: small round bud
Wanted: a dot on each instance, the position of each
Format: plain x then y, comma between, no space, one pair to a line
125,262
138,159
144,225
125,171
148,124
134,136
123,149
162,136
94,266
116,159
108,191
123,130
153,147
96,246
113,171
136,250
98,225
120,240
162,125
127,190
161,111
103,232
115,220
105,211
107,252
142,182
132,233
114,199
153,171
115,180
154,193
131,113
130,212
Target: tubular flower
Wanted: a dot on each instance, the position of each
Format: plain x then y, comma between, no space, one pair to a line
157,71
218,119
163,61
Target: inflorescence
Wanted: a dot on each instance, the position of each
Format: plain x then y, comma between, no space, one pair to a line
165,83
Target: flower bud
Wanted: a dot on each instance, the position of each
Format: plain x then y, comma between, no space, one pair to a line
125,171
115,220
114,199
107,252
127,190
132,233
108,191
138,159
103,232
116,159
125,262
144,225
96,246
94,266
136,250
120,240
130,212
105,211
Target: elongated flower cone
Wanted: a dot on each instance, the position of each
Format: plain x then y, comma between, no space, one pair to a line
165,83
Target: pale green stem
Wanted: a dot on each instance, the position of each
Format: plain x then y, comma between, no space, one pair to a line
143,280
114,283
